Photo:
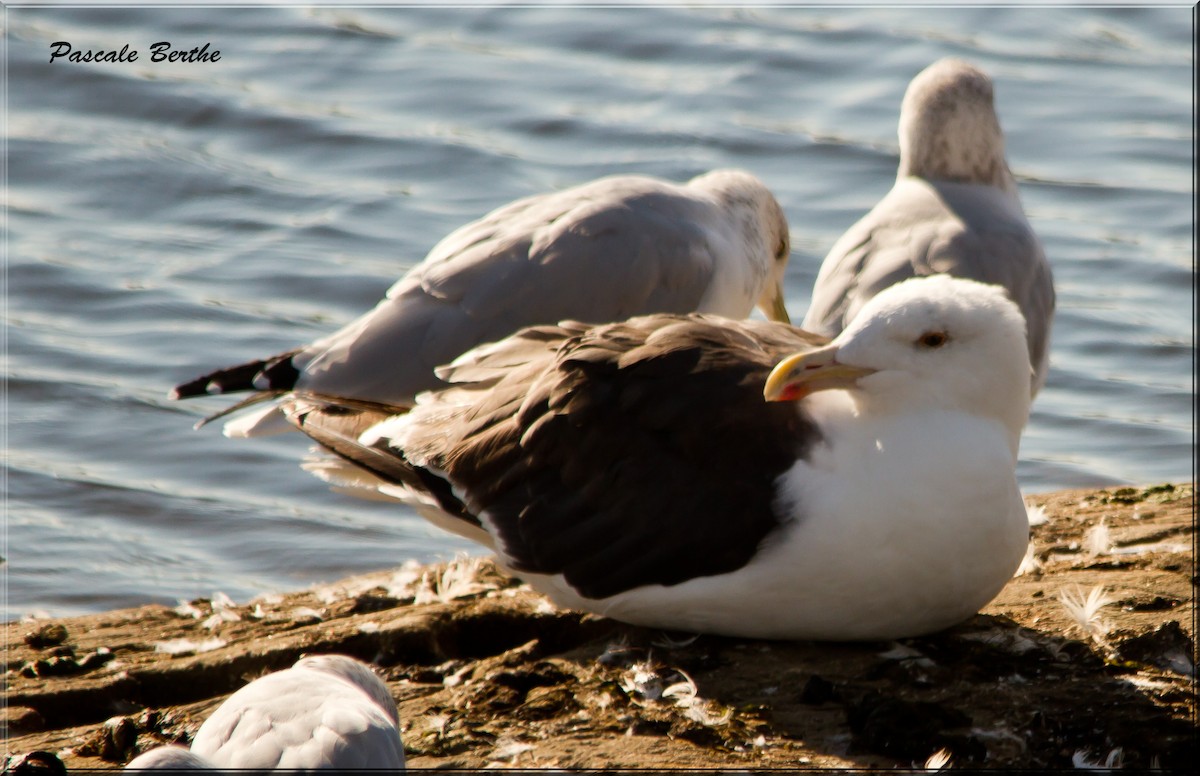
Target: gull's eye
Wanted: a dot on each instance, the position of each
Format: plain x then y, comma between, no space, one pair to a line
933,339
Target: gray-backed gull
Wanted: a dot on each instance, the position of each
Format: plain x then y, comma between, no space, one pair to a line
326,711
604,251
954,209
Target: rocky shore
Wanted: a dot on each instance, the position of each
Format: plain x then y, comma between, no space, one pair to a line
1086,657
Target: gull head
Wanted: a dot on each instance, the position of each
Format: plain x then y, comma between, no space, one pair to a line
933,342
763,235
949,130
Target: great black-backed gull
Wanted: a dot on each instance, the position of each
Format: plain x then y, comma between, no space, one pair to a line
634,469
326,711
604,251
954,209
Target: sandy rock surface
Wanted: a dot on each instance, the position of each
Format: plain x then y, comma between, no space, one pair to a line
488,673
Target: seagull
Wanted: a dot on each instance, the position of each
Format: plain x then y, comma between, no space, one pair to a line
325,712
954,209
170,758
604,251
744,478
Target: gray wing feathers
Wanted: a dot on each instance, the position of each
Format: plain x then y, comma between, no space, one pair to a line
923,228
293,719
539,260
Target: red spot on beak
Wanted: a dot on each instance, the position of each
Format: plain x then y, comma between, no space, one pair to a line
792,392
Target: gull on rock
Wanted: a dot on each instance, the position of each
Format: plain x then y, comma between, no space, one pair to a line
325,712
954,209
604,251
635,470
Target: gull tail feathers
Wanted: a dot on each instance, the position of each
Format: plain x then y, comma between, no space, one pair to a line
338,425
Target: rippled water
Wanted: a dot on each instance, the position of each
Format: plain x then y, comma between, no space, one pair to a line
165,219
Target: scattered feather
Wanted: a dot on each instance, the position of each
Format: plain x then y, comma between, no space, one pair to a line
222,611
188,646
306,613
456,678
617,652
938,760
1147,683
1037,515
903,652
642,681
1008,639
188,609
220,616
368,627
1098,541
402,581
458,579
666,641
437,724
1085,610
327,595
1030,563
509,750
1082,760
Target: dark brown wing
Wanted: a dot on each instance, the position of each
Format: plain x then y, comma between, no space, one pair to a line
620,455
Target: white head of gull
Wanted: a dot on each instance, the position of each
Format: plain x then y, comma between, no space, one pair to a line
635,470
325,712
604,251
953,210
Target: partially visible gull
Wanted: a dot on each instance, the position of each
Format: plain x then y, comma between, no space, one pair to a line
954,209
604,251
326,711
170,758
634,469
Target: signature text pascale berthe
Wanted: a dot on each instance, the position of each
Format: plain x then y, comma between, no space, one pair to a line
162,51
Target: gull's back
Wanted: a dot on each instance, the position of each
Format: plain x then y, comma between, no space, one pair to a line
304,717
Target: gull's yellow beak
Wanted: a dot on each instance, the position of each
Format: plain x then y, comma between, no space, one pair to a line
771,303
806,373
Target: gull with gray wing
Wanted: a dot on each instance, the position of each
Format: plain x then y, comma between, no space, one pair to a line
954,209
604,251
325,712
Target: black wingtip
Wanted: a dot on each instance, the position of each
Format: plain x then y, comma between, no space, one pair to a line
270,374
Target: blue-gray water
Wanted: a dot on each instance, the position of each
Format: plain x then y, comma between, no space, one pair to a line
165,219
